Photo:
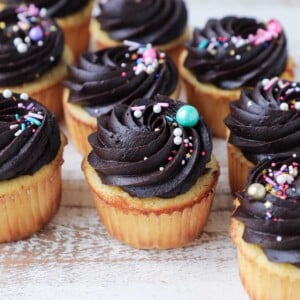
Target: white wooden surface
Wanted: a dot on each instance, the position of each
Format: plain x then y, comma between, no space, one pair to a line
74,257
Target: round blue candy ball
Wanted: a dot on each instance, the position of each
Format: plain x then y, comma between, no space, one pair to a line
187,116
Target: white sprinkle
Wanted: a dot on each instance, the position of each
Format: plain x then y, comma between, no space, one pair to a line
43,12
27,39
24,96
17,133
297,105
17,41
185,141
294,155
123,65
22,48
156,129
137,114
177,140
284,106
294,84
177,132
14,126
297,89
7,94
51,58
265,81
157,108
37,116
40,43
278,238
161,169
145,158
127,55
238,57
249,103
183,162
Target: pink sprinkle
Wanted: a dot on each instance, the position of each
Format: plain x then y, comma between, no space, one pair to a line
170,158
273,164
269,180
289,91
163,104
186,145
274,26
124,74
191,150
283,167
203,153
270,83
151,52
142,107
21,105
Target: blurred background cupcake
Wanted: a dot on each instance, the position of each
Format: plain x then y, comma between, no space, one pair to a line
161,23
113,76
265,121
152,172
265,229
33,58
72,16
228,54
31,150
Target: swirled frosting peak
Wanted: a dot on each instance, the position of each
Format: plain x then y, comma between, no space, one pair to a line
55,8
30,44
270,208
151,148
29,135
119,75
233,52
149,21
266,120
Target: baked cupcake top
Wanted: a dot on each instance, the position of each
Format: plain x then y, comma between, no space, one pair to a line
156,22
233,52
55,8
151,148
119,75
270,208
29,135
266,120
30,44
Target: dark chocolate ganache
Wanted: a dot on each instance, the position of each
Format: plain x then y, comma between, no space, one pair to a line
266,120
151,148
55,8
270,208
233,52
118,75
29,135
30,45
149,21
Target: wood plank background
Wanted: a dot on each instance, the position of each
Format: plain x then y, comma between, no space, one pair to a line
74,258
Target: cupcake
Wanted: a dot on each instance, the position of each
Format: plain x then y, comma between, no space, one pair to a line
72,16
32,55
152,172
226,55
265,121
161,23
265,229
31,149
110,76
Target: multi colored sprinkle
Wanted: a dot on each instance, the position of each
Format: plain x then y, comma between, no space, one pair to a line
32,118
262,36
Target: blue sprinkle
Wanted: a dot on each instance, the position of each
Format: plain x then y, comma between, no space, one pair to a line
203,44
23,126
169,119
34,121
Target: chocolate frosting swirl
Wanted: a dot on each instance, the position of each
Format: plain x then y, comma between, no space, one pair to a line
233,52
55,8
29,135
155,21
135,148
266,120
30,45
119,75
272,220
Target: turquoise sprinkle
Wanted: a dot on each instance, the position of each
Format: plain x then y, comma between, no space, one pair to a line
23,126
169,119
17,116
203,44
187,116
34,121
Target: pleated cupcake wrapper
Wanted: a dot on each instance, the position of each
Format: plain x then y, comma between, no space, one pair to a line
212,102
78,128
155,230
29,204
76,30
238,168
262,279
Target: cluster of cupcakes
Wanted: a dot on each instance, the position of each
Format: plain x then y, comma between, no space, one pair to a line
147,155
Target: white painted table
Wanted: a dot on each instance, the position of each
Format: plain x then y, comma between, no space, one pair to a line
74,257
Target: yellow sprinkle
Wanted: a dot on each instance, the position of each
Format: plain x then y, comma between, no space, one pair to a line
2,25
268,204
15,28
188,155
231,52
248,48
53,28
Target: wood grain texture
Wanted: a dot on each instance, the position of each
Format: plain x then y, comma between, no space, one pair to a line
75,258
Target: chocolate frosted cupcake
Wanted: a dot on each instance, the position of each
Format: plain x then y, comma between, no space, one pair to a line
263,122
265,229
31,150
226,55
72,16
152,172
161,23
114,76
32,55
